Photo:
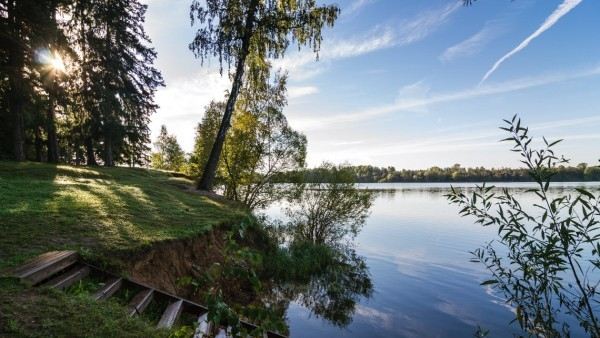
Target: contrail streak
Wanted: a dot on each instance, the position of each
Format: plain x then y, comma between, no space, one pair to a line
558,13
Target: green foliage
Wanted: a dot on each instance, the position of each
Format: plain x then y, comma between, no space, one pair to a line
26,312
248,33
263,269
206,132
259,146
98,105
168,155
326,213
269,26
549,270
456,173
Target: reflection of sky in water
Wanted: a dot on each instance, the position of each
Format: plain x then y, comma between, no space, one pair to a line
417,249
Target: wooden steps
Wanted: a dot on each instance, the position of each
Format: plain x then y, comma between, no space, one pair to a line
45,266
109,289
172,312
69,277
140,302
61,269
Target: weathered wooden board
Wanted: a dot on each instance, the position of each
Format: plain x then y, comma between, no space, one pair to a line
204,327
69,277
60,269
140,301
46,265
172,312
109,289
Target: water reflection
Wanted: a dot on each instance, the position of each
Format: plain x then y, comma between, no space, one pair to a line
328,277
332,294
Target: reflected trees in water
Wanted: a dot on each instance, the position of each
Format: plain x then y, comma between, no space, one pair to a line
324,273
329,213
308,259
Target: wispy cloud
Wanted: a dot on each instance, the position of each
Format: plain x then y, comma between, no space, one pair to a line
380,37
356,6
444,143
565,7
412,103
425,23
474,43
299,91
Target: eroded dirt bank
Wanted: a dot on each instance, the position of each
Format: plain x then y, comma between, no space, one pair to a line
168,265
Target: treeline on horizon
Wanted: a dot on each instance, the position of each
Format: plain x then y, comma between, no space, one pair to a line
456,173
77,81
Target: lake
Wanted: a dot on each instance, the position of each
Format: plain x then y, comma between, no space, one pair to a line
417,251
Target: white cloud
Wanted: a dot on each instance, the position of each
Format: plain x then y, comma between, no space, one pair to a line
385,151
302,64
408,103
558,13
474,43
375,316
381,37
299,91
182,104
426,23
356,6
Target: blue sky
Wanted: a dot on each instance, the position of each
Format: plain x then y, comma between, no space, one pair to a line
403,82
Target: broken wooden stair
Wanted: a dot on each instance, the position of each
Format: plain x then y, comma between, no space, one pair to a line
61,269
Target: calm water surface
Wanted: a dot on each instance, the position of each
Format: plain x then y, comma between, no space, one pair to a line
417,249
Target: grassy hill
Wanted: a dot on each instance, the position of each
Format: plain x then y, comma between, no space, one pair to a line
100,212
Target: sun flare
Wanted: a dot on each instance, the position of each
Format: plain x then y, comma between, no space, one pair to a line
57,63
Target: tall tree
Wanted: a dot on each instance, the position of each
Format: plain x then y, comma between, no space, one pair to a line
101,104
16,64
168,155
206,132
260,146
232,30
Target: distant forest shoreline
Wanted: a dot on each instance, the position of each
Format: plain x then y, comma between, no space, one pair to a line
371,174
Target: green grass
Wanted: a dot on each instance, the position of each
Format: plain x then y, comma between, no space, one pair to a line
97,211
103,213
26,312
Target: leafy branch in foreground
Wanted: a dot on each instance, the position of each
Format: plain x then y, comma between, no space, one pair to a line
548,267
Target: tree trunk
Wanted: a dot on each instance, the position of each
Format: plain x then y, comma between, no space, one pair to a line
38,144
52,142
210,169
89,152
78,153
16,62
52,91
108,150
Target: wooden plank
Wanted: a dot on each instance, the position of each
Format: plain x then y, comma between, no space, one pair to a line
170,315
204,327
46,265
139,303
109,289
68,278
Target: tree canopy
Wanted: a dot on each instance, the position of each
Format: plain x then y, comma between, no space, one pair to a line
77,82
247,33
259,146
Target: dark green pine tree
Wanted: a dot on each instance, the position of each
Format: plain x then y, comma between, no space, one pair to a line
19,22
100,104
129,82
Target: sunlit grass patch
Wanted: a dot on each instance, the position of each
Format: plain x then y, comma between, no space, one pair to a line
102,210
